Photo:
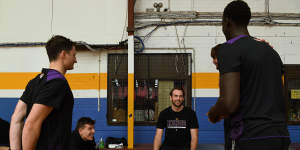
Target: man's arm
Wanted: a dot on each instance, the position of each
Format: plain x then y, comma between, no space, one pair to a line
16,125
229,99
33,124
194,141
157,139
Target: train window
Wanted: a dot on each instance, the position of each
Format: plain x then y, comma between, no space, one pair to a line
155,75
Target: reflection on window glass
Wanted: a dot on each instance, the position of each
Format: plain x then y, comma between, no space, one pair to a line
150,98
145,99
119,100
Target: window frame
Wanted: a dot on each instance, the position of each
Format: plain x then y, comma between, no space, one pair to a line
187,79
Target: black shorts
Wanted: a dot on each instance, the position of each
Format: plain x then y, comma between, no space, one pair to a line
264,144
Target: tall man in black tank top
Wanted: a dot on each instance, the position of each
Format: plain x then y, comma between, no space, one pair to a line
251,88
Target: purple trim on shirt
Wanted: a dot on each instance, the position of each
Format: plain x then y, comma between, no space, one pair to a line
231,41
263,137
237,126
53,74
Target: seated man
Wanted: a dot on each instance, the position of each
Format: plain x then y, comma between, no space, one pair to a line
4,140
83,136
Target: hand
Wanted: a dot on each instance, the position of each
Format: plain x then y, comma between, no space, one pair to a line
209,120
212,115
213,119
263,40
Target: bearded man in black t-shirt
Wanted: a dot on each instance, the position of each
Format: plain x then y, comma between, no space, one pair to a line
181,125
251,89
47,103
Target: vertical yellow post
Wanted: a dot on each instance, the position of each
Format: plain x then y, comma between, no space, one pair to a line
130,30
130,128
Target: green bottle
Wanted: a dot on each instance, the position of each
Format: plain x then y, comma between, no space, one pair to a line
101,143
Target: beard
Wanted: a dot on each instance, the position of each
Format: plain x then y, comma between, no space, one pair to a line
177,105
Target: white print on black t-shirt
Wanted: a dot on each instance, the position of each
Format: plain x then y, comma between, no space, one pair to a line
176,124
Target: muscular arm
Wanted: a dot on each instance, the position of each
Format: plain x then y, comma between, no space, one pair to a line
194,141
157,139
16,125
229,99
33,124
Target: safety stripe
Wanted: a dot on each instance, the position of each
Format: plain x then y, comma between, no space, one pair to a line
205,80
130,117
90,81
77,81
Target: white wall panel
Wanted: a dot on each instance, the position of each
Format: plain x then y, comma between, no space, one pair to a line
200,38
103,93
11,93
25,21
103,61
142,5
292,59
31,59
160,42
275,31
205,92
196,5
218,6
191,31
89,93
87,62
92,21
286,6
76,93
179,5
203,38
